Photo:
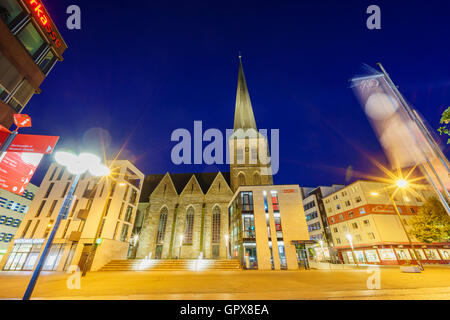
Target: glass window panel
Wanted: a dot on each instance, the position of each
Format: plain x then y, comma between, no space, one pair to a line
9,10
31,39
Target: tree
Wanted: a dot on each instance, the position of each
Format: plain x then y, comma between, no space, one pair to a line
432,223
445,120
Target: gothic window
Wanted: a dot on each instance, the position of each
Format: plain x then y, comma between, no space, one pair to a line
256,179
189,226
162,226
216,225
240,155
241,179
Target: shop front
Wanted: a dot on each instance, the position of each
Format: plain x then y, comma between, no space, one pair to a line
396,255
25,254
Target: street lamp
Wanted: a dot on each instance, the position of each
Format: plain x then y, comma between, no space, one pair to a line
401,184
350,239
226,246
76,165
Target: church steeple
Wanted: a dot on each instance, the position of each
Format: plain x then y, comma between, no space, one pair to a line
243,115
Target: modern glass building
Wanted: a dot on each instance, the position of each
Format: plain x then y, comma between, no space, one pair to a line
30,46
266,224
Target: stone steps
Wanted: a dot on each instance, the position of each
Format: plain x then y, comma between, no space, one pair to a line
165,265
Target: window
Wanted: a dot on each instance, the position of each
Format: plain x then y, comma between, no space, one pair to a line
53,173
10,10
27,226
358,199
332,219
38,213
74,208
412,210
309,205
115,230
216,226
347,203
335,230
247,201
254,153
161,226
338,241
34,229
128,214
49,190
65,190
124,234
60,174
189,226
338,207
350,214
311,216
47,62
355,225
240,155
358,238
371,235
366,223
341,216
49,227
108,205
335,197
31,40
52,208
344,193
362,210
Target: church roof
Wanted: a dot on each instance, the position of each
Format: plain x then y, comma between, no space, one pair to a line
205,179
243,114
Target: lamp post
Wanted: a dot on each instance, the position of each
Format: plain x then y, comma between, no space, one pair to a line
76,165
350,239
400,185
226,246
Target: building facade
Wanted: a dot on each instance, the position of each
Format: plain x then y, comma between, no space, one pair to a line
266,225
363,215
98,225
316,219
186,215
30,46
13,209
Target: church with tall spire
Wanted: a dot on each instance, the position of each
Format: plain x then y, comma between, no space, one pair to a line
185,216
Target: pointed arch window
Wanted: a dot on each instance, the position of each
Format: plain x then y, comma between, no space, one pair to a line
256,179
241,179
162,226
216,225
189,226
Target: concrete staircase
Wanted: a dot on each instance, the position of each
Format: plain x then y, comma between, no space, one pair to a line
173,265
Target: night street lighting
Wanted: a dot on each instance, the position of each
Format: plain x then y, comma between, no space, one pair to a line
350,239
403,184
76,165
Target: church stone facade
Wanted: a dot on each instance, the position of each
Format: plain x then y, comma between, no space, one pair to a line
186,215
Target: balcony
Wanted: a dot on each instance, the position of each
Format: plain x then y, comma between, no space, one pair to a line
75,236
82,214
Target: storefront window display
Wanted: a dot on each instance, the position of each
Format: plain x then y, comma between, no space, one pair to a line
445,253
387,254
372,256
403,254
432,254
360,256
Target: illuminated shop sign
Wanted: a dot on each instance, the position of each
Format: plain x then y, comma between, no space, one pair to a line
29,241
42,16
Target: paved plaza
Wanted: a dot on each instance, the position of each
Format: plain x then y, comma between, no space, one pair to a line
434,283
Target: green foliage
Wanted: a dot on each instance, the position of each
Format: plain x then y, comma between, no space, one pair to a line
445,120
432,223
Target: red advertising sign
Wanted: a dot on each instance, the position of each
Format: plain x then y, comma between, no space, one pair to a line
17,169
30,143
22,120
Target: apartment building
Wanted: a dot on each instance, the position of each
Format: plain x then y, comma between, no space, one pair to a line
267,227
13,209
316,219
98,225
363,215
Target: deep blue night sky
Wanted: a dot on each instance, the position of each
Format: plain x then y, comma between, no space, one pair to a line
140,69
